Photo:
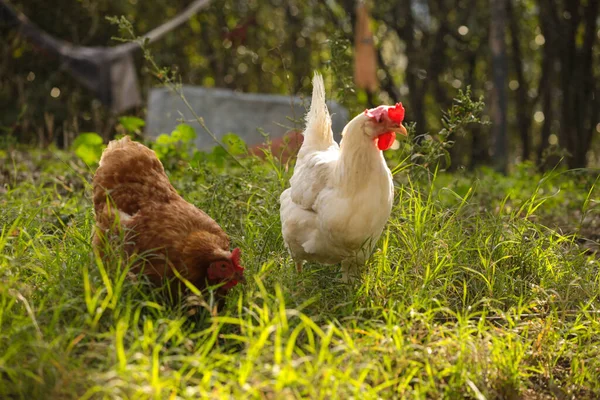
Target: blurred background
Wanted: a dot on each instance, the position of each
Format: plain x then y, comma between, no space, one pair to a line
535,63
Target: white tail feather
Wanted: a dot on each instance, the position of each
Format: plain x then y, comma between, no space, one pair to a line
318,121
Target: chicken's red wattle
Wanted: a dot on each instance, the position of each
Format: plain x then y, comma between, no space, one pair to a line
386,140
230,284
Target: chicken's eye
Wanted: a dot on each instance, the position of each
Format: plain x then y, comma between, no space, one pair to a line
223,266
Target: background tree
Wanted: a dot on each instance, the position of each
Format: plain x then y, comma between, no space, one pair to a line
499,72
426,51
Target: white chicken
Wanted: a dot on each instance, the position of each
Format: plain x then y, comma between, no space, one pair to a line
340,197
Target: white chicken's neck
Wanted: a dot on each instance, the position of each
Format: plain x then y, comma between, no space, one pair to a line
360,159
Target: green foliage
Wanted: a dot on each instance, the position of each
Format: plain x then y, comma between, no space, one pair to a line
270,46
340,65
170,78
179,145
425,153
464,111
221,157
88,147
235,145
132,124
178,149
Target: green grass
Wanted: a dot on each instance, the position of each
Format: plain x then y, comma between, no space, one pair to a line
482,286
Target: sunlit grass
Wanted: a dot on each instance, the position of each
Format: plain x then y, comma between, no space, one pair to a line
468,294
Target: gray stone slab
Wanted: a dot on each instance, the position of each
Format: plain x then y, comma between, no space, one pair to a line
225,111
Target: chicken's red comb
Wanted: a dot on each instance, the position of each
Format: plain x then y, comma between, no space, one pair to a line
235,258
396,113
393,113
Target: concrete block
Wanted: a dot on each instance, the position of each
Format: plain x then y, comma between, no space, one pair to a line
226,111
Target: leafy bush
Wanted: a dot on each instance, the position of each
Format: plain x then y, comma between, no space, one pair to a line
424,154
179,145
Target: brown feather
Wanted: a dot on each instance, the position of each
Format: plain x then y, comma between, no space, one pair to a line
155,220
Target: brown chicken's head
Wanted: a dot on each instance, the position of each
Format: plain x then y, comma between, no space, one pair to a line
383,124
227,270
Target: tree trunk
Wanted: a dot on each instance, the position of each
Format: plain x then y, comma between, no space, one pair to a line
523,106
547,88
569,79
415,87
577,103
479,148
586,110
499,69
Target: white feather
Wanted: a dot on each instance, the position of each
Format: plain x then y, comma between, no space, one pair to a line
339,198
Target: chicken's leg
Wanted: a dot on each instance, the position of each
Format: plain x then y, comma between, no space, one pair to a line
349,270
299,266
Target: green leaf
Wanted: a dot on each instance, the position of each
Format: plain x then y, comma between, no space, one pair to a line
218,156
235,144
175,136
161,152
199,156
88,147
88,138
164,139
132,124
186,132
89,154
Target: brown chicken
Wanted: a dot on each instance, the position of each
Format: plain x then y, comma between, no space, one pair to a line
133,195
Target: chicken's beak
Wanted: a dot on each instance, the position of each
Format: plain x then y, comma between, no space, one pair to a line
401,130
